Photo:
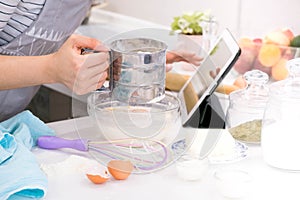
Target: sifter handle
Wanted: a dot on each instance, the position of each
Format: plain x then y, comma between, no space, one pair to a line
53,142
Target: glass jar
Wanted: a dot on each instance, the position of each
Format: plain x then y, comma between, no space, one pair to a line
280,127
246,108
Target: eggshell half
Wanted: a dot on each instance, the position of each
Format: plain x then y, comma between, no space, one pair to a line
120,169
97,179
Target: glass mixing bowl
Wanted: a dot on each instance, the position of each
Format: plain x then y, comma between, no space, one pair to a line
120,120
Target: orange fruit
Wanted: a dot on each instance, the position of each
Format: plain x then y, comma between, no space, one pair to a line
259,66
288,33
279,71
278,38
245,61
269,55
120,169
97,179
246,42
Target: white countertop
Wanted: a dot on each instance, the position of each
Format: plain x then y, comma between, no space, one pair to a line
268,182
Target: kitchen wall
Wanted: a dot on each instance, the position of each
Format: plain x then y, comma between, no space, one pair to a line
253,18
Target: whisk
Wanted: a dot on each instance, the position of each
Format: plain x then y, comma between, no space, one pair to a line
146,155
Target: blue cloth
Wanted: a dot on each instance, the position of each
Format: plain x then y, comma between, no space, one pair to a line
20,174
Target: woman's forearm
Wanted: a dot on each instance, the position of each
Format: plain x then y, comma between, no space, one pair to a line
24,71
80,73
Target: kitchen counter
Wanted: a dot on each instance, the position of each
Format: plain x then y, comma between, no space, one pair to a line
267,182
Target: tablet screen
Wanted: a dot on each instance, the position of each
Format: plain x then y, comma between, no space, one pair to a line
209,74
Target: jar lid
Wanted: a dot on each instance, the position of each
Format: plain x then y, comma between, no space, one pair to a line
256,77
256,89
294,67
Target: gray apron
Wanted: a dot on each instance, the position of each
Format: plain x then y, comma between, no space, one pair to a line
56,22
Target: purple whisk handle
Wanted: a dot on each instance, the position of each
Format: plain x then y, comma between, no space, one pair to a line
53,142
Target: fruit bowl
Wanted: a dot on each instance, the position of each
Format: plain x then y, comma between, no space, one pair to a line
267,57
268,54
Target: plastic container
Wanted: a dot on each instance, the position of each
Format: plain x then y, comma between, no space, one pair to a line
280,130
246,108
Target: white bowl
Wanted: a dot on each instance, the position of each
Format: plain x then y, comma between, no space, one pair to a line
233,183
191,168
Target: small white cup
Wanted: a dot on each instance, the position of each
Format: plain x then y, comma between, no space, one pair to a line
233,183
191,168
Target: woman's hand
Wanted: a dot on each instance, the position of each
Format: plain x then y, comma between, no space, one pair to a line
80,73
178,56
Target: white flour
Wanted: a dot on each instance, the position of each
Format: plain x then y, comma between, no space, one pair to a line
74,165
224,149
280,144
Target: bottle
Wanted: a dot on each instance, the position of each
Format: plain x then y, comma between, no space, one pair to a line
210,30
246,108
280,127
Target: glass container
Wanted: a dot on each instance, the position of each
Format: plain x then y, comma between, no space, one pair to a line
280,127
246,108
210,31
118,120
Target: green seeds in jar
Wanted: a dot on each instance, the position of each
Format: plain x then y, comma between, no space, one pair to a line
248,132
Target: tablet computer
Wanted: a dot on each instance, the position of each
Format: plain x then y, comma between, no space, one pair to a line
208,75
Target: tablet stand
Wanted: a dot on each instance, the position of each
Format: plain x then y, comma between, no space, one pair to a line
208,115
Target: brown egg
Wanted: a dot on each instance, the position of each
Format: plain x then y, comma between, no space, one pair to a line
120,169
